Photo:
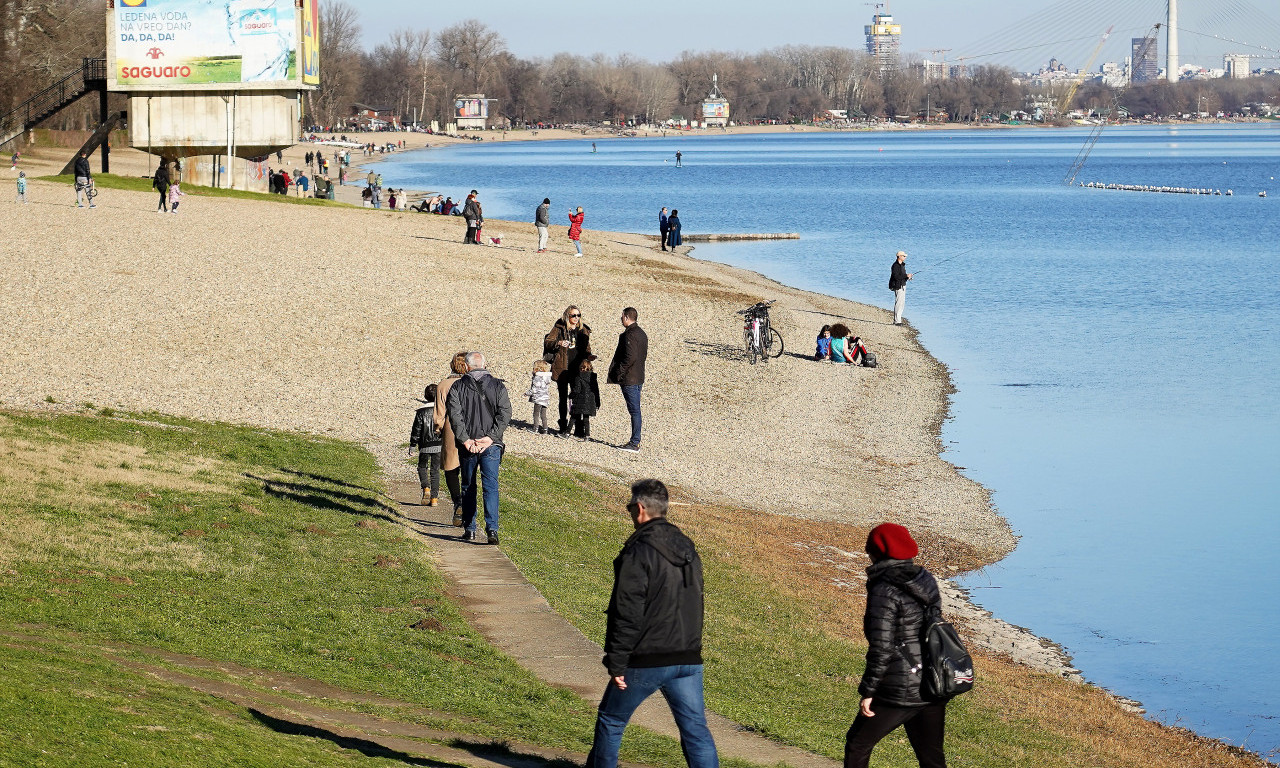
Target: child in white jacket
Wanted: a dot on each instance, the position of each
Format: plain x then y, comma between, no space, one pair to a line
539,393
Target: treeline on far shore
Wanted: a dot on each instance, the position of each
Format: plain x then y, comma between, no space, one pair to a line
416,74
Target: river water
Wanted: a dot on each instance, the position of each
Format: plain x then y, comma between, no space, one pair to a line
1116,354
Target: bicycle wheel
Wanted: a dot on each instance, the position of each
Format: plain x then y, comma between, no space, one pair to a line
774,347
750,344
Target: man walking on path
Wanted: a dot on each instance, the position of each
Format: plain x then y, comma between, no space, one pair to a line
84,178
653,639
662,227
542,220
479,410
627,371
898,277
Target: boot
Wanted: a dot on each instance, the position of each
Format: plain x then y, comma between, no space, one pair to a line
426,497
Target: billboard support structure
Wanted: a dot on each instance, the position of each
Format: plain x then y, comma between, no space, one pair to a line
715,108
192,64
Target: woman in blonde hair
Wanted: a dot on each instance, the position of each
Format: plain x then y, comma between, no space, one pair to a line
449,453
565,347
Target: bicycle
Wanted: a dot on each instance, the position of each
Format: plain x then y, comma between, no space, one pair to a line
759,337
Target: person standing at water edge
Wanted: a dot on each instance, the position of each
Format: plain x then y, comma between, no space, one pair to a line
542,222
898,277
627,371
673,230
663,226
653,638
479,412
898,592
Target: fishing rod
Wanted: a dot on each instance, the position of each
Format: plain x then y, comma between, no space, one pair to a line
944,261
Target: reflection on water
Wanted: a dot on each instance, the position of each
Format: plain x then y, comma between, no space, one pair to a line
1116,354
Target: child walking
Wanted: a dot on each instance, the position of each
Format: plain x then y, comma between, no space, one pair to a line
585,391
175,195
426,439
22,187
539,393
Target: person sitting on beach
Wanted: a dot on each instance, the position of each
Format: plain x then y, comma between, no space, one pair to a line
824,344
392,199
366,194
840,343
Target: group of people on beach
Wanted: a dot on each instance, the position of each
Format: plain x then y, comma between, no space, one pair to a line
542,223
463,437
669,229
837,344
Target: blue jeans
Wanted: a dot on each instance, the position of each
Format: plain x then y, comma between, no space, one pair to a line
631,394
487,462
681,686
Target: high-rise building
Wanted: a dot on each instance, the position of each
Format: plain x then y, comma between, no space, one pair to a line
1237,66
1145,60
883,40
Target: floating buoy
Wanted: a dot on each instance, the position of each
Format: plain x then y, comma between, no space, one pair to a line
1263,193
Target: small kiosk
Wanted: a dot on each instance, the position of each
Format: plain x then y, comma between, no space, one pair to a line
715,108
471,111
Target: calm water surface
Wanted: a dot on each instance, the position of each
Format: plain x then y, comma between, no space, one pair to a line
1116,354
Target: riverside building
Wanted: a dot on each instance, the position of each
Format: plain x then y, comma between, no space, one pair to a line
884,38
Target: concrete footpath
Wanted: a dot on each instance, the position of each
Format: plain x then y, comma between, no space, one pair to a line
501,604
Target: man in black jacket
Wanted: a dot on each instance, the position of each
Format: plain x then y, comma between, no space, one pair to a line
84,179
653,640
479,410
898,277
627,371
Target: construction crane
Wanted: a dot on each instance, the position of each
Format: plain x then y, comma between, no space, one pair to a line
942,64
1065,103
1082,156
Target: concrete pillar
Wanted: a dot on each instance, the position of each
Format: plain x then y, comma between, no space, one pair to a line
1172,64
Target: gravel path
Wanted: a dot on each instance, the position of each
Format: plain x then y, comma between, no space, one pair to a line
331,321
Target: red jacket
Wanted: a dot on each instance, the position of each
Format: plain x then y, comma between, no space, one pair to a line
575,227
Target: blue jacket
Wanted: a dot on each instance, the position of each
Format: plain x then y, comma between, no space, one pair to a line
662,222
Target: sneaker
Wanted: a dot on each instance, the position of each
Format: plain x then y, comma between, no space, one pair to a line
457,517
629,448
542,430
492,537
435,502
564,434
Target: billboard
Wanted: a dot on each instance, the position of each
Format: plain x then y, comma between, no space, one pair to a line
183,44
311,42
715,109
469,107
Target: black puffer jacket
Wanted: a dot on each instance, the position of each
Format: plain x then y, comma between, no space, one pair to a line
655,612
892,624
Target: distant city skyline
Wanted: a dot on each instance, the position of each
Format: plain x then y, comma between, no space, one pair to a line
661,33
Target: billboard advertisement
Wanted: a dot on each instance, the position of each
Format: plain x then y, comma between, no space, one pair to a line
471,108
167,44
311,42
715,109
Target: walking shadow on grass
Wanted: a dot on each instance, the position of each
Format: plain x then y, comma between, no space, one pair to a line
498,754
323,479
324,498
716,349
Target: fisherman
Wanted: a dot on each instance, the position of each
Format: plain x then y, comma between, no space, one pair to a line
898,277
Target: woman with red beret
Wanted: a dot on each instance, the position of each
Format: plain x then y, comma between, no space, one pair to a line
898,594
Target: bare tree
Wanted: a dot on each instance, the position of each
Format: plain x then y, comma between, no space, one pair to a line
340,62
470,49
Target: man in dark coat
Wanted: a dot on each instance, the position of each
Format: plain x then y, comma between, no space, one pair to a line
898,592
662,227
479,410
653,638
898,277
627,371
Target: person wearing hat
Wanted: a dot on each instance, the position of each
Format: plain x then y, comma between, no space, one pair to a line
898,592
474,215
898,277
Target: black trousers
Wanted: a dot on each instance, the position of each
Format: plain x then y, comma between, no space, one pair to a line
663,235
924,726
582,426
453,479
562,386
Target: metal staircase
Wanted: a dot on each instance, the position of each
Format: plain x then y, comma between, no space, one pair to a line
91,77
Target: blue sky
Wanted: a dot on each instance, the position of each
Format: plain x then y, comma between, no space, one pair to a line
660,31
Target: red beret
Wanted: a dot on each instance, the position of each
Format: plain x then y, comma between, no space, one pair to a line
892,541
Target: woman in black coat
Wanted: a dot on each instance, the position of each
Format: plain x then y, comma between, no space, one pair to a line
673,230
897,592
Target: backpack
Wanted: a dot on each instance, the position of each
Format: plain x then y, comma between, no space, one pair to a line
946,669
869,360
